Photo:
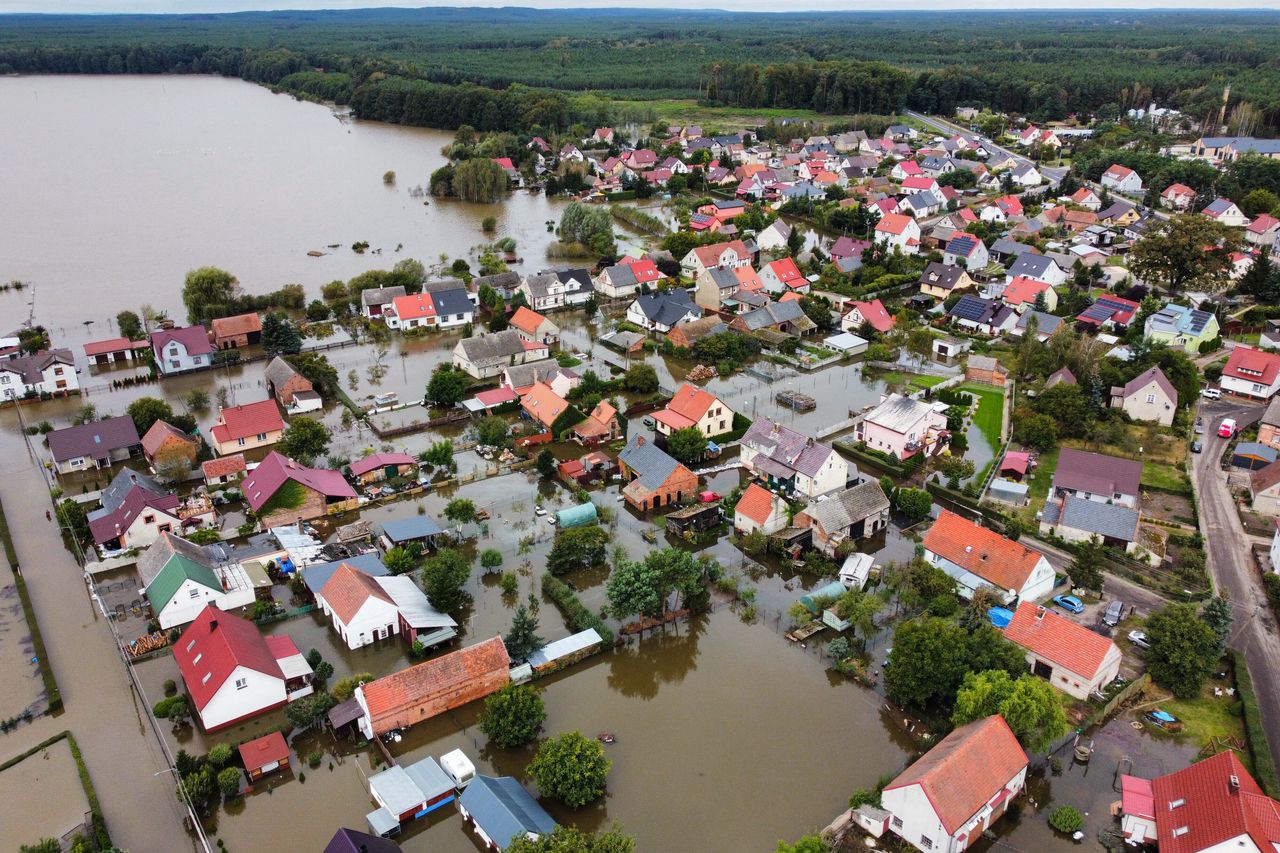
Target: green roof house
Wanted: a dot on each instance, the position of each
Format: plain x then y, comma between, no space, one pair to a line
180,578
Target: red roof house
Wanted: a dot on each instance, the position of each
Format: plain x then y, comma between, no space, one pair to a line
225,469
379,466
1076,660
692,406
1213,805
245,427
759,509
976,556
264,755
1251,373
872,312
783,275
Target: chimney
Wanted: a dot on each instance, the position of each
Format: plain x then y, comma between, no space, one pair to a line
639,441
1234,783
1040,612
213,623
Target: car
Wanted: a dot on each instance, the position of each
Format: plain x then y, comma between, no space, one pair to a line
648,422
1227,428
1139,639
1196,447
1211,393
1069,602
1115,610
539,511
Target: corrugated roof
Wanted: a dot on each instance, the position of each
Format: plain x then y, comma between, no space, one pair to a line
504,809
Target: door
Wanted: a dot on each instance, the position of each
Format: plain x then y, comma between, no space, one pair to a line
1042,669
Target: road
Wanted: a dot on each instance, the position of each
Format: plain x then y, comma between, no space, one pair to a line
1054,175
1254,633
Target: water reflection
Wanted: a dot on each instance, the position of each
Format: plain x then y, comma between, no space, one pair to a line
665,655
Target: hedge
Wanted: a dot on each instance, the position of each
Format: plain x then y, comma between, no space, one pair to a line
37,639
567,420
1264,763
576,615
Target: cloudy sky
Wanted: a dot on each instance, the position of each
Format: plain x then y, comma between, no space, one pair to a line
161,6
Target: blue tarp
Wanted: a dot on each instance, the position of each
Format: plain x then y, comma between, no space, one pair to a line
1164,716
1000,616
286,566
831,590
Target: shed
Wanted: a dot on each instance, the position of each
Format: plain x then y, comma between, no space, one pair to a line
566,650
856,570
846,343
1251,455
576,516
415,528
264,755
501,810
1008,491
1015,464
701,516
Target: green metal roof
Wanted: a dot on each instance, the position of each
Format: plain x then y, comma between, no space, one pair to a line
179,568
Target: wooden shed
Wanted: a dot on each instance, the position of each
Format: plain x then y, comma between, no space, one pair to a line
264,755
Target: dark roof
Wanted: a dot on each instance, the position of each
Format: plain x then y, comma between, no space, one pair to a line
410,528
31,367
847,508
938,274
648,460
495,345
454,300
1030,266
776,313
667,309
95,440
504,809
1109,520
194,339
1046,324
315,577
351,841
112,496
1097,473
380,295
793,451
1140,381
975,309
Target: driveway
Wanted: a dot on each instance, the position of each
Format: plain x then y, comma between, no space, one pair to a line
1254,633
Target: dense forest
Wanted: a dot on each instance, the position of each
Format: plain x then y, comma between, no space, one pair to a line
413,65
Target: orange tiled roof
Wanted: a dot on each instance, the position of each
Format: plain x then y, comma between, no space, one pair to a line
1057,639
990,556
223,466
691,402
526,320
448,674
348,589
241,324
756,503
542,404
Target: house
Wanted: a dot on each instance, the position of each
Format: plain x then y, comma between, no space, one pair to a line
686,335
1068,655
1149,396
939,280
1036,267
1262,231
1076,519
786,317
380,467
1109,312
791,461
374,301
543,291
1177,197
619,280
290,388
136,510
985,316
1253,456
365,609
713,286
1045,324
966,250
47,373
578,287
264,755
654,479
759,509
1269,427
847,516
1249,372
282,492
1097,477
947,348
905,169
946,800
97,444
846,344
1181,327
903,427
847,248
413,311
896,230
1213,805
1086,198
986,370
871,313
180,578
180,350
500,811
659,312
223,471
1024,293
246,427
1120,214
600,426
534,327
691,406
233,673
1121,179
242,330
1264,489
1226,212
542,405
782,276
486,356
113,351
441,684
165,443
974,556
774,237
732,254
404,792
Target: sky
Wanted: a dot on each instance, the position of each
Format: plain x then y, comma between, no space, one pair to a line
169,6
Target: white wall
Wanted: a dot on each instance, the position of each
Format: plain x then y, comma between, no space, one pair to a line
373,615
261,691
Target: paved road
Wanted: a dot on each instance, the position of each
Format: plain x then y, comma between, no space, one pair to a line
102,711
1231,565
1053,174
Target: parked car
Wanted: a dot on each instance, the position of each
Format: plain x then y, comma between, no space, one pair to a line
1211,393
1199,427
1227,428
1069,602
1115,610
1139,639
1196,447
539,511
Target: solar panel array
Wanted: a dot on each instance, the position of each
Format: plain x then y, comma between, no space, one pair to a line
972,308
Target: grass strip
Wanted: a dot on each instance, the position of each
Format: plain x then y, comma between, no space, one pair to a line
1264,763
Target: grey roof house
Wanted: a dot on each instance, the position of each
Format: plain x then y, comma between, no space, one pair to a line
484,356
784,458
501,810
660,311
1076,519
850,515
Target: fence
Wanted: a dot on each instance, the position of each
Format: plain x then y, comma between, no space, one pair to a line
1104,713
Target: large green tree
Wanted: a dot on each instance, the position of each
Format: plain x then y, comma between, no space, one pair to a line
480,180
513,715
447,386
304,440
928,661
279,335
443,578
1184,252
570,839
1183,651
1028,704
523,640
687,445
572,768
209,293
578,548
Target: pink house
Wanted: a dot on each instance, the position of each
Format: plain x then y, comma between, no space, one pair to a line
904,427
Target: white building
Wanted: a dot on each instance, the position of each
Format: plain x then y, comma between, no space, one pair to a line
181,578
48,372
365,609
784,458
976,557
1072,658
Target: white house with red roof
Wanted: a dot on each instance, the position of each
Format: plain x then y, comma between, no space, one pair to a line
1213,805
904,169
1002,209
732,254
1087,198
1072,658
920,183
365,609
759,509
1122,179
1262,231
872,312
691,406
241,428
233,673
1021,293
782,276
410,312
975,556
1177,197
900,231
1252,373
957,790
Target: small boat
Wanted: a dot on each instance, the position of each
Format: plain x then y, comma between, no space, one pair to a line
606,737
1164,720
316,253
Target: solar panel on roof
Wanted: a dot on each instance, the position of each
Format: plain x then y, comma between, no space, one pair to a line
1098,312
970,308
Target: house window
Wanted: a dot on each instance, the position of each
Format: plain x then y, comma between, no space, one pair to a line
206,678
262,436
148,519
926,842
242,683
191,645
240,442
165,528
195,593
1151,398
174,364
197,658
897,822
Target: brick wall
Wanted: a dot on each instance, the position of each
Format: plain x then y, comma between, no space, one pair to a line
477,688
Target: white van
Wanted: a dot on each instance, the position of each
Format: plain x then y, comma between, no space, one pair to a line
1211,393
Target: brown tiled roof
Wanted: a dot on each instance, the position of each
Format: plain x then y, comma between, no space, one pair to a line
223,466
1057,639
756,503
432,679
347,590
241,324
161,431
1004,563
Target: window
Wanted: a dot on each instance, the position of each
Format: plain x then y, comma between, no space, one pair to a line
1180,831
174,364
240,442
242,683
149,519
926,842
897,822
165,528
195,593
1173,804
206,678
262,436
1151,398
197,658
191,645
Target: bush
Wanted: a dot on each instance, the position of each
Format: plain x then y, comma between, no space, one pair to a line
174,709
229,782
170,687
513,715
1066,819
576,615
220,755
571,768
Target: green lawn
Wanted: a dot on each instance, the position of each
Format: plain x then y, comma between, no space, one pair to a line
1041,480
894,377
1208,717
990,413
1167,477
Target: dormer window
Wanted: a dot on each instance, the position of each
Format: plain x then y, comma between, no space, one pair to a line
1173,804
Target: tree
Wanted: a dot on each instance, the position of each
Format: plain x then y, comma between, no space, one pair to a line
317,311
640,379
1257,201
523,640
279,335
570,839
443,578
927,663
448,386
221,754
1174,256
1066,819
316,369
304,440
130,326
460,511
44,845
1039,432
399,560
309,711
440,454
571,768
1257,279
174,709
479,180
73,517
209,293
1217,615
1183,651
197,400
547,464
86,414
915,503
490,558
1028,704
1086,568
687,445
807,844
492,430
578,548
589,225
229,781
634,587
513,715
345,688
145,411
1067,406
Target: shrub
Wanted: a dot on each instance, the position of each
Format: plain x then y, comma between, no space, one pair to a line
220,755
513,715
1066,819
571,768
229,782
